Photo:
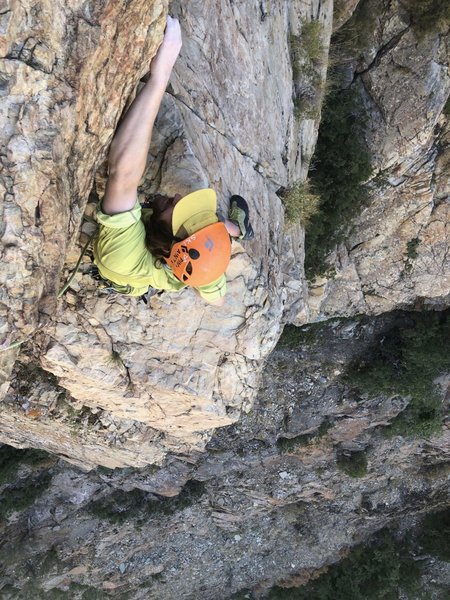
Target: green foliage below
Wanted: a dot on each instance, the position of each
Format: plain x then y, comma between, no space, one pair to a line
405,361
136,505
428,16
447,108
435,536
354,465
379,570
374,572
12,458
21,496
341,165
293,336
292,444
300,203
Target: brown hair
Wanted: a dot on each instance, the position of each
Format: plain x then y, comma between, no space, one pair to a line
158,230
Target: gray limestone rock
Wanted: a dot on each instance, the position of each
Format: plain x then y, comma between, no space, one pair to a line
177,366
177,369
396,254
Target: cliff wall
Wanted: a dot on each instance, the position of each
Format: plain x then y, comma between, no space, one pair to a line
236,466
165,375
106,380
308,474
396,253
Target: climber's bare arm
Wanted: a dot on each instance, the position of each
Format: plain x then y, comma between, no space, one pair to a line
130,145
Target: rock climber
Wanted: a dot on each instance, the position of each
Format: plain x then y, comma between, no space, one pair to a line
180,241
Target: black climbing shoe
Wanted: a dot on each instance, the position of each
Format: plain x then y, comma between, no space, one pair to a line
95,273
239,214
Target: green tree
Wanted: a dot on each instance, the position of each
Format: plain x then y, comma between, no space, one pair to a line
339,169
405,361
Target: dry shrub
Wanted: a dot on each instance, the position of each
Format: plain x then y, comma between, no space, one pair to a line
300,203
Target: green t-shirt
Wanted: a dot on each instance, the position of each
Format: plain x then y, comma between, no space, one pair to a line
122,258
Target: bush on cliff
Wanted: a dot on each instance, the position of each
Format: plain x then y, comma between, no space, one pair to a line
428,16
19,494
406,361
373,572
138,506
435,535
300,203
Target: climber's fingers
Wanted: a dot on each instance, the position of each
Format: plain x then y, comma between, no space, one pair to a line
168,51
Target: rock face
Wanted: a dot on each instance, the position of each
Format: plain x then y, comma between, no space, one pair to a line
177,368
396,255
105,380
132,383
62,95
270,503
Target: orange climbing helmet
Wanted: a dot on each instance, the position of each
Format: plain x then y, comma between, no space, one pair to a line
202,257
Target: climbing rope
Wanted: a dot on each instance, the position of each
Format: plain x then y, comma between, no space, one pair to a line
77,266
14,345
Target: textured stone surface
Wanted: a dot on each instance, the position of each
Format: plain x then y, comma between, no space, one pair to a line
258,511
179,366
62,94
134,386
405,82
